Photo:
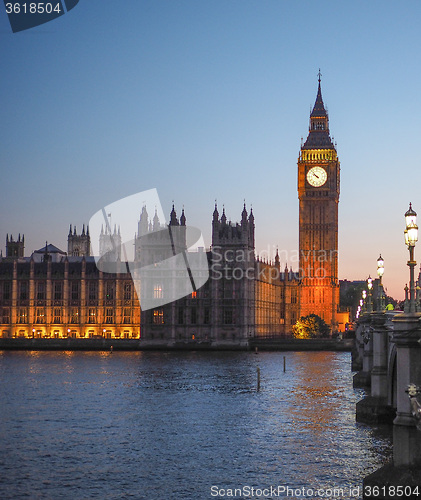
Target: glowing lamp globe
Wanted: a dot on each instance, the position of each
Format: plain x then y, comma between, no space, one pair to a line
411,230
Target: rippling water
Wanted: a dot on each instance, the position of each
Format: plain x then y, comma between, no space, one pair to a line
147,425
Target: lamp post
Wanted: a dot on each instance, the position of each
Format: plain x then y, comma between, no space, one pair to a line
380,272
370,287
362,301
411,237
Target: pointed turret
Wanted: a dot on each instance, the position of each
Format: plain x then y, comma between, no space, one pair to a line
319,109
70,230
182,218
173,217
143,225
156,221
215,214
244,215
318,137
223,217
277,261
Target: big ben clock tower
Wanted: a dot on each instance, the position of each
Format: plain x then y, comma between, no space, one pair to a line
318,194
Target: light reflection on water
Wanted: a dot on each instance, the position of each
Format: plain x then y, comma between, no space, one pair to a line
170,425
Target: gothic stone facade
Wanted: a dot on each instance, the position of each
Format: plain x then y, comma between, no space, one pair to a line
243,298
318,193
54,295
70,298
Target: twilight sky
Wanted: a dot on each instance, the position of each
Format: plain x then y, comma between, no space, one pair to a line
208,100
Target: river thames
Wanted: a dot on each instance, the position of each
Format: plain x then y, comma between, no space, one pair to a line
180,425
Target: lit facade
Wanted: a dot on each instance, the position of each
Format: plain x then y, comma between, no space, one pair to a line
56,295
318,193
70,298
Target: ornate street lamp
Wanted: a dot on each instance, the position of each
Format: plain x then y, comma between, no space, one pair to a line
380,272
411,237
370,287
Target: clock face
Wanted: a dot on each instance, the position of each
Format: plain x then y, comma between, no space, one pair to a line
316,176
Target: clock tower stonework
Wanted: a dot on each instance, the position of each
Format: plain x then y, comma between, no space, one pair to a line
318,194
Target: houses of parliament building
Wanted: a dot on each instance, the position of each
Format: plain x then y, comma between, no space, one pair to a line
57,294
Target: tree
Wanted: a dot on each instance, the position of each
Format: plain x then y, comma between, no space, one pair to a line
310,327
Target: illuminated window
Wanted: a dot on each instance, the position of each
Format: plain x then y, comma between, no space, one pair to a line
194,295
109,316
23,315
158,316
57,315
6,315
40,315
127,316
157,292
127,291
74,315
92,316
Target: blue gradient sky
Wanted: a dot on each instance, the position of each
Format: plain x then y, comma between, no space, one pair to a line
209,99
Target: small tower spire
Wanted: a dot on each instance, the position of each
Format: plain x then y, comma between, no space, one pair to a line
155,221
182,218
318,137
173,217
223,217
215,213
319,107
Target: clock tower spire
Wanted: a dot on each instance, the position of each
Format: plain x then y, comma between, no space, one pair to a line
318,194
